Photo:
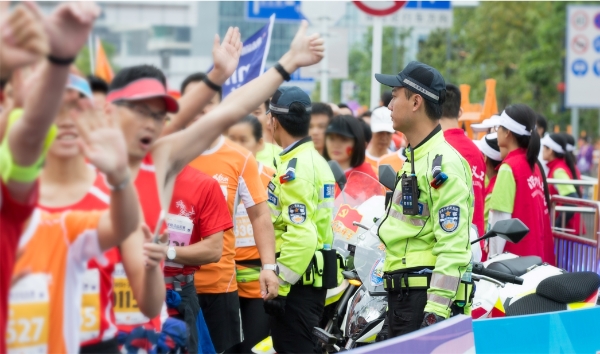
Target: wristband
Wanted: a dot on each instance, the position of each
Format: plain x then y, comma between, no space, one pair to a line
119,186
60,61
211,84
286,76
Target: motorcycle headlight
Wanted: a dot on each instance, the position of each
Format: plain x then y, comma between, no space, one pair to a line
363,310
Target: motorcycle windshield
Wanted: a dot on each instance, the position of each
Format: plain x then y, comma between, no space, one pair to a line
369,258
361,201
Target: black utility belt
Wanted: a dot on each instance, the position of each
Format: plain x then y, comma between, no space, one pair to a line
323,270
396,282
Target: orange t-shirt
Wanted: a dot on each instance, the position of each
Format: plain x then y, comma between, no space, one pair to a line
373,161
395,159
245,247
98,285
236,171
45,305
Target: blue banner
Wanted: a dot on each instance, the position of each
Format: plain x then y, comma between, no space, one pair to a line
252,61
556,332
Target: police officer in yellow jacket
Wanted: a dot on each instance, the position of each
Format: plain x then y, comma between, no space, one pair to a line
301,201
426,229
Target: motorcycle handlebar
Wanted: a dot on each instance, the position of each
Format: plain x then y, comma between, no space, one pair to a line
478,268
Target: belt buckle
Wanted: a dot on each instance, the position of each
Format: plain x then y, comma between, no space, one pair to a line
177,285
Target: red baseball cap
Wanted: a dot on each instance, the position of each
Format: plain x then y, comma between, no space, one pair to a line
143,89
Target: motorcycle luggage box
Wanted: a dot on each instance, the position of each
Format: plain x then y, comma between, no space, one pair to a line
516,266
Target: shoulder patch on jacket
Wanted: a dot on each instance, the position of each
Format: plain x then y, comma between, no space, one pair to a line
449,217
297,212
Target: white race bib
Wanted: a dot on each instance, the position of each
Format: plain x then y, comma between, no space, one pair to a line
90,306
244,235
180,233
125,306
29,315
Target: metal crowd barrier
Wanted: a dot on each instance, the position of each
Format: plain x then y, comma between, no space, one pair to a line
575,253
588,184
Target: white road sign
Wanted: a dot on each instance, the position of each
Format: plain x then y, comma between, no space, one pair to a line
582,68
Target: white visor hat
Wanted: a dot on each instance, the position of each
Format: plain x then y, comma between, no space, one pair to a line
507,122
489,123
552,145
485,147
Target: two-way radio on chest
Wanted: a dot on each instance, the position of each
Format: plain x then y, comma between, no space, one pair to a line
410,186
410,189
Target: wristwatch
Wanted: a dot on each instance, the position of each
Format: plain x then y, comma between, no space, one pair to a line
273,267
171,254
431,318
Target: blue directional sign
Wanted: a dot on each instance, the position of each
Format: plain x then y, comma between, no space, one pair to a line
597,44
429,5
285,11
579,67
597,20
597,67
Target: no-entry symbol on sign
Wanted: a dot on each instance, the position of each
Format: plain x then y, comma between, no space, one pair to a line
580,44
579,20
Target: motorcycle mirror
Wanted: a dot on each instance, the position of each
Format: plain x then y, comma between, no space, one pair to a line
387,176
338,173
512,230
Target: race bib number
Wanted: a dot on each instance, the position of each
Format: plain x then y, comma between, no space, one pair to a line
180,233
90,306
125,306
29,315
244,235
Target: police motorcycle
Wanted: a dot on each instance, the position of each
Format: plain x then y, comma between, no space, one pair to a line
359,315
367,308
544,288
359,204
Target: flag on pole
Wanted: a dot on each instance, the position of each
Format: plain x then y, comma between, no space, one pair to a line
252,61
103,69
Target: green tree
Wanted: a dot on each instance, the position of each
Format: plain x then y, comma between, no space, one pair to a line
520,44
359,63
83,59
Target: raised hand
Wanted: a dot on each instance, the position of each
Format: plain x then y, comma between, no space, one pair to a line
154,253
306,50
102,143
226,55
22,37
69,26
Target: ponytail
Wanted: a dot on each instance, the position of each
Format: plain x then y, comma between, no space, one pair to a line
527,117
533,148
546,189
571,164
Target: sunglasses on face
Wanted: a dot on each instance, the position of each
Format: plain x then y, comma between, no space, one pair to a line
143,110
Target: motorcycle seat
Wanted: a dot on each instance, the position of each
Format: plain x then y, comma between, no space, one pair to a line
569,287
516,266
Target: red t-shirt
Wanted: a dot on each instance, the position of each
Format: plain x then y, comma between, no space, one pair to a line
12,217
198,197
469,151
365,168
127,314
